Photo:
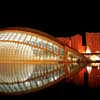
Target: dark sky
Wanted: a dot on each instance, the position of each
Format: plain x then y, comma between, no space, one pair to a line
55,27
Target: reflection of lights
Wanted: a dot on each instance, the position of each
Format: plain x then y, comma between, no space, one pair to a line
74,59
97,51
51,79
98,67
75,64
88,50
95,64
94,58
89,68
69,58
56,77
39,83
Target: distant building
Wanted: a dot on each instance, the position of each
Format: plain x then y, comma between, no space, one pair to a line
65,40
76,43
93,41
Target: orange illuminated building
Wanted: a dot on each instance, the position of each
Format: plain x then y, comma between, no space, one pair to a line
65,40
75,42
93,41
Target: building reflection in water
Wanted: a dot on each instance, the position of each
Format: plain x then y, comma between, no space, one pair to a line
88,76
31,77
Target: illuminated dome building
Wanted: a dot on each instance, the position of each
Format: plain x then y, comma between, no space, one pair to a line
31,60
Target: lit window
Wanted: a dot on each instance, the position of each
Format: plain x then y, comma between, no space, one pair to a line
7,36
39,41
12,37
27,84
23,37
2,36
44,43
39,83
32,41
51,79
17,87
55,49
28,38
50,46
2,88
33,84
22,86
62,51
12,87
45,81
7,87
17,37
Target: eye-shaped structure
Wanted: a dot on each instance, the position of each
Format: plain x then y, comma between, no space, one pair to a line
31,60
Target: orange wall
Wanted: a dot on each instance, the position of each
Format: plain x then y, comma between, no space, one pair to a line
74,42
93,41
65,40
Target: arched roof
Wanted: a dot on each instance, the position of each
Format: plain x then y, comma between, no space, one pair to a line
27,29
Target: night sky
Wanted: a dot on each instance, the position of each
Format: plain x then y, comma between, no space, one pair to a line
57,28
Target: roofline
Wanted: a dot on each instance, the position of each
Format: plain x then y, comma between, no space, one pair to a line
27,29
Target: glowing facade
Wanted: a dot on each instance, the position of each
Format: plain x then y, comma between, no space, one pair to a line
31,60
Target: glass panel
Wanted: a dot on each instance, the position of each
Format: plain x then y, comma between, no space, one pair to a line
7,87
49,67
27,40
39,42
2,88
62,51
17,87
45,81
17,37
56,75
51,79
8,36
23,36
33,84
12,88
44,43
39,83
33,40
22,87
12,37
50,46
27,85
2,36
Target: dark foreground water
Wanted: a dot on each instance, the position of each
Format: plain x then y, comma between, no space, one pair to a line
86,82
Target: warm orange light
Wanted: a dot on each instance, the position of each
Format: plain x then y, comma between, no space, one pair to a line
94,58
89,68
88,50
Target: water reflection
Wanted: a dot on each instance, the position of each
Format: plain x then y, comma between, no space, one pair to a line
87,76
24,77
16,78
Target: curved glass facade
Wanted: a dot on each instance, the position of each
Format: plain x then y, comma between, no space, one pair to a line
29,46
30,61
